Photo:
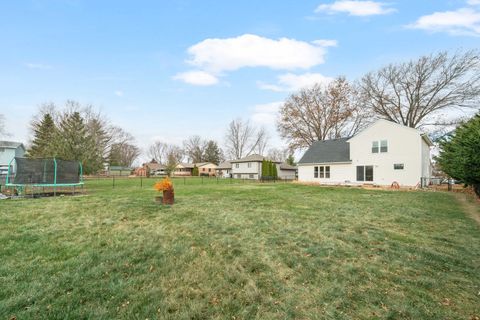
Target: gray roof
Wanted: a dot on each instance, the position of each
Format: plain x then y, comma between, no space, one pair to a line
286,166
224,165
253,158
11,144
336,150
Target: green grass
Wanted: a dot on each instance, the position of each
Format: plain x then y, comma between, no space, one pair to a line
238,251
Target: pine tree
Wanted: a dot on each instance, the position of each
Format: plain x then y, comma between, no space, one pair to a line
274,171
212,153
291,160
45,135
195,171
264,169
459,154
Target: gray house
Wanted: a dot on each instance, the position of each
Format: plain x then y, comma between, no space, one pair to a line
8,151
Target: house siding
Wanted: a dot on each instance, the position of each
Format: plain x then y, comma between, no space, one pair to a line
405,146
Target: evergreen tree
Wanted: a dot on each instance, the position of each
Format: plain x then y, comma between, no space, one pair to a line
264,168
291,160
212,153
195,171
460,156
75,143
274,171
45,135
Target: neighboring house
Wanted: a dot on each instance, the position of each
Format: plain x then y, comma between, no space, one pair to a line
204,169
383,153
250,167
119,171
153,168
8,151
224,170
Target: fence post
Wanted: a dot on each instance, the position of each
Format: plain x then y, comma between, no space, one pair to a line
113,182
141,182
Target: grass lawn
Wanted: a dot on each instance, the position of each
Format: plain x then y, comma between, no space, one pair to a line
239,251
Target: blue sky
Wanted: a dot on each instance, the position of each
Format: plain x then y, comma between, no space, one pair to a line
169,69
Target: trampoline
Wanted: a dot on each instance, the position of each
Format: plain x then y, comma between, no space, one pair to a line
44,176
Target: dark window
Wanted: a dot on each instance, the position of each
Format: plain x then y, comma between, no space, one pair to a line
237,165
368,173
322,172
2,149
327,172
360,173
383,146
251,176
398,166
374,146
209,169
315,172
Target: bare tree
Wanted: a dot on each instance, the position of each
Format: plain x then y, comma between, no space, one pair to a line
278,154
320,113
174,156
194,148
123,154
157,151
3,131
415,93
243,139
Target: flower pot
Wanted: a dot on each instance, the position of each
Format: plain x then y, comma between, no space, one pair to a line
168,197
159,199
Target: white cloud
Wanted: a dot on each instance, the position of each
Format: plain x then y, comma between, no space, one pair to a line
356,8
473,2
38,66
119,93
464,21
198,78
266,114
290,82
249,50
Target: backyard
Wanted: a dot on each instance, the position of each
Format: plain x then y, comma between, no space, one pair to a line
239,250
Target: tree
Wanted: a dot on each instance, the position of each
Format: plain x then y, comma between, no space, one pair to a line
195,171
123,154
242,139
415,93
195,148
45,134
3,132
158,152
459,153
274,171
278,154
174,155
321,113
212,153
290,160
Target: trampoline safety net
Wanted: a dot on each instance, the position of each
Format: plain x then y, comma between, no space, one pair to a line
42,172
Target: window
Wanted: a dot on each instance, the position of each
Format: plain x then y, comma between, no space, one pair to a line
398,166
239,176
237,165
322,172
374,146
364,173
383,146
209,169
251,175
2,149
249,164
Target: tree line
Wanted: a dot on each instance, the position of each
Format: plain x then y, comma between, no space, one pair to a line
79,133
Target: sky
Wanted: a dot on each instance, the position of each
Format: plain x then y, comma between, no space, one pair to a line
166,70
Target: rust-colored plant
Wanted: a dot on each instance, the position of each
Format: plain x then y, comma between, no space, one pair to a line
164,185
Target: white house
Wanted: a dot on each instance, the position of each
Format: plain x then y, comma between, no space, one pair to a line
383,153
8,151
224,170
250,167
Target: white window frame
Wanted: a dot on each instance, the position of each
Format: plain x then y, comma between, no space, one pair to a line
383,146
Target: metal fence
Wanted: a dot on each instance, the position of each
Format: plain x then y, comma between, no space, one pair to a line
141,182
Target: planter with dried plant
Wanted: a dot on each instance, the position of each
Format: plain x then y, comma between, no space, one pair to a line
166,187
